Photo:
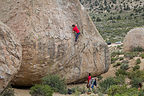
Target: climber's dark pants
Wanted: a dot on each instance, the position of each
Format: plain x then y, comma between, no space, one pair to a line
77,35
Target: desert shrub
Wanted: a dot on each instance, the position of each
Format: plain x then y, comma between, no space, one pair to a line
41,90
136,74
135,81
120,79
98,19
138,49
119,46
116,53
105,84
142,55
138,61
117,64
8,91
142,14
99,77
80,90
130,55
116,89
121,58
128,92
119,17
113,59
110,18
77,93
136,67
121,72
55,82
124,66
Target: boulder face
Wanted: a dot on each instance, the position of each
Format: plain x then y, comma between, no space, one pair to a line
10,55
133,39
44,29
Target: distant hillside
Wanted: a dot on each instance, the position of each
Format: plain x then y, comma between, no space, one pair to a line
113,5
114,18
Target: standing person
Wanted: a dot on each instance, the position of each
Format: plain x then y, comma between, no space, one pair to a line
94,83
140,86
140,89
89,80
75,29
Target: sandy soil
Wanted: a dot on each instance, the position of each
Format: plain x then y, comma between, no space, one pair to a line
25,92
22,92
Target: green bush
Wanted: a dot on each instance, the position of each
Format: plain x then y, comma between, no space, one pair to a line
120,79
138,49
57,84
105,84
121,72
136,74
116,89
113,59
41,90
119,17
142,55
124,66
98,19
116,53
136,81
121,58
130,55
79,90
136,67
117,64
128,92
138,61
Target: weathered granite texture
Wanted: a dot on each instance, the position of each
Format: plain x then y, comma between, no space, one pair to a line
133,39
10,55
44,29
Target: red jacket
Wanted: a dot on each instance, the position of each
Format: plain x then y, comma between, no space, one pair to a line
76,29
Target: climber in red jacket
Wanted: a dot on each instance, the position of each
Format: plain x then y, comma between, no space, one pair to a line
75,29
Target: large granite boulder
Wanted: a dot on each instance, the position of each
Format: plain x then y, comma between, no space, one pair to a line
10,55
44,28
134,39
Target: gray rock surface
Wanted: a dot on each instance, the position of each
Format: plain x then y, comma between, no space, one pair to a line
44,29
133,39
10,55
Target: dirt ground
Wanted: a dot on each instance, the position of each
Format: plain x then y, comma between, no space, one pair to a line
22,92
25,92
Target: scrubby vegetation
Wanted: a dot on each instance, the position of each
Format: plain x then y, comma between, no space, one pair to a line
142,55
118,85
56,83
8,91
50,84
41,90
114,18
138,61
